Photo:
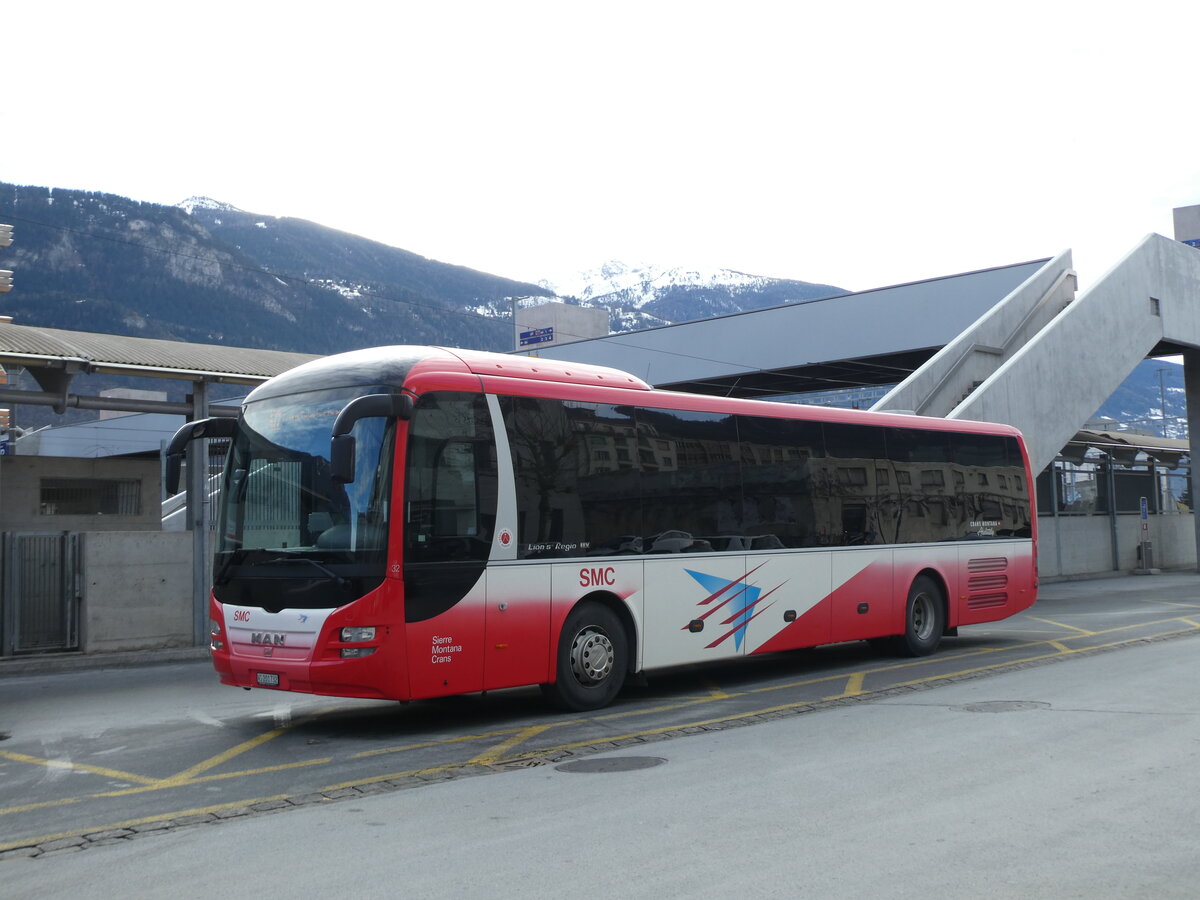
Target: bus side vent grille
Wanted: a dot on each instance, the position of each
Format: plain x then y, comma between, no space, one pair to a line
987,564
986,601
987,583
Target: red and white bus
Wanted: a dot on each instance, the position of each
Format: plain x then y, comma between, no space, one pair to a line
410,522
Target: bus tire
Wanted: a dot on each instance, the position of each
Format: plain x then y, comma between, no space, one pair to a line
924,618
593,657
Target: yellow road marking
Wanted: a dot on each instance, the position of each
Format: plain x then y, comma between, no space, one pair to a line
488,757
375,779
66,801
716,692
213,761
462,738
162,785
1063,625
78,767
854,685
171,783
189,774
131,823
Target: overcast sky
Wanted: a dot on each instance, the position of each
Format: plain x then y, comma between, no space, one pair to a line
855,143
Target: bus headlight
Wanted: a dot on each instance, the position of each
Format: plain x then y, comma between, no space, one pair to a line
357,634
214,628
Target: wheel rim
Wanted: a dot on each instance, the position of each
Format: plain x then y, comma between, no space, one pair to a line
923,615
592,656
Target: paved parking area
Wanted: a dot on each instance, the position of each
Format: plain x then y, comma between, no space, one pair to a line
92,757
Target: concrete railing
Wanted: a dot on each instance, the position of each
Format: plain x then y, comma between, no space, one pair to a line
938,386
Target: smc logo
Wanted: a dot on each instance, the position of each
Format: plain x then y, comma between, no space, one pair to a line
594,577
241,615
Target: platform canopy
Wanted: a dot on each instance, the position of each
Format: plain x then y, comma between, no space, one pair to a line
53,357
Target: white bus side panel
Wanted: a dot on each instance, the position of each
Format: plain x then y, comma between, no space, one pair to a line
696,608
790,583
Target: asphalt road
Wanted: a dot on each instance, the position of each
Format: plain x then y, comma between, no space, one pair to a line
896,764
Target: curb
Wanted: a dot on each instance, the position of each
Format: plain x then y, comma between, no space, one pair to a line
50,663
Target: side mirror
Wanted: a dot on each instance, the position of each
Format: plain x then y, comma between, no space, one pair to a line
342,444
216,427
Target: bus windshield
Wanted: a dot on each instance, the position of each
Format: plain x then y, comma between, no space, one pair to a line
284,519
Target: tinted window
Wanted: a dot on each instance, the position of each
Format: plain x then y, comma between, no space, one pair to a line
691,484
601,480
926,505
577,478
780,458
993,502
852,504
451,508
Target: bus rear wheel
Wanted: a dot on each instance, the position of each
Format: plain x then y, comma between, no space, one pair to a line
924,618
593,656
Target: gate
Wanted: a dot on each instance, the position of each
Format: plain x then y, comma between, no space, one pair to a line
39,592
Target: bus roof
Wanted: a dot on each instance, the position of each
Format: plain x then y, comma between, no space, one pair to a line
391,366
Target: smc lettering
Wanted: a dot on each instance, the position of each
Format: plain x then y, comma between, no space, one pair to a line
596,577
241,615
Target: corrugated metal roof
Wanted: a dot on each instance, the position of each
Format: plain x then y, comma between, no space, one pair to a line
26,345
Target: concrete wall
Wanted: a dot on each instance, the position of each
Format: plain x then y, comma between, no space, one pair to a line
20,493
568,323
1187,223
1080,546
137,590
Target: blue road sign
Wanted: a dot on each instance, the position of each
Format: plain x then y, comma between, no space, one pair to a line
537,336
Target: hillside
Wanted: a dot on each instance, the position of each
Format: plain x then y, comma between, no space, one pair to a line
98,262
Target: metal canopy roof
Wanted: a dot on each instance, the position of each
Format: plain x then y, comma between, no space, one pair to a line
29,346
54,356
871,337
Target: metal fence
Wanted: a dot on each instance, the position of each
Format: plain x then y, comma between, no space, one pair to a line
40,592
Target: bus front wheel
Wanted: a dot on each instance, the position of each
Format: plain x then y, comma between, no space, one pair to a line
924,618
593,655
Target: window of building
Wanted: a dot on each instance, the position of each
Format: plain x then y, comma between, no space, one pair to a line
90,497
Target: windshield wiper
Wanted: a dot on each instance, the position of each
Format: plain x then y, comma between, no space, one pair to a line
333,576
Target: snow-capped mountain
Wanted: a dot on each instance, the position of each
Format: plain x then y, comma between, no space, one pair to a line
637,285
191,204
645,296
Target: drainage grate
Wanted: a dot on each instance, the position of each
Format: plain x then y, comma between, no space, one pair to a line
526,762
612,764
997,706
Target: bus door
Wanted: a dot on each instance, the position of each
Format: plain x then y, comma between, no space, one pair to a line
517,626
449,517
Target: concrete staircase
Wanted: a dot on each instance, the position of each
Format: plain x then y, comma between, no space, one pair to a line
1044,360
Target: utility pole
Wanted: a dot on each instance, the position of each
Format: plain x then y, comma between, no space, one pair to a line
516,328
1162,401
6,283
6,275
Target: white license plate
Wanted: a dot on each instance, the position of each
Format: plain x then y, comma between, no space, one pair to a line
268,679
